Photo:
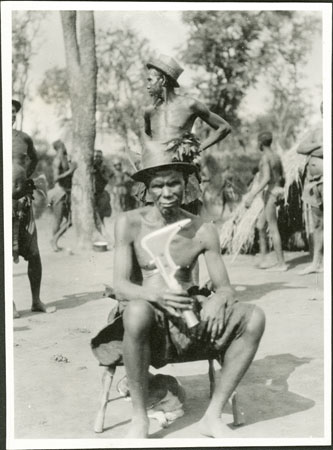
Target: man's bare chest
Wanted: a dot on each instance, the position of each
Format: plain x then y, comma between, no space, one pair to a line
171,116
184,250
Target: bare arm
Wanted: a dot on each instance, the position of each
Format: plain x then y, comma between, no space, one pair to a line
32,154
266,176
213,310
221,127
146,116
216,268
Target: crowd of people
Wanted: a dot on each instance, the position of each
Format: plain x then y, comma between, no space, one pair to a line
171,188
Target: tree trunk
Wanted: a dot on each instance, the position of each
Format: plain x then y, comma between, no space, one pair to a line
79,38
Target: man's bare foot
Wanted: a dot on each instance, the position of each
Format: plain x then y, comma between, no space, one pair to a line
41,307
311,269
278,268
138,429
213,427
55,247
16,315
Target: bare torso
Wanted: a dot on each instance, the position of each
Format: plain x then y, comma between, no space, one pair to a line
184,249
275,167
170,120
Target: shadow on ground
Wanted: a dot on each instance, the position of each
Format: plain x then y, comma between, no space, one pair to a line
68,301
256,291
263,393
294,262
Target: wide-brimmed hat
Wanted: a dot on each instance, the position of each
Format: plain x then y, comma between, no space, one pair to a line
168,66
156,157
17,105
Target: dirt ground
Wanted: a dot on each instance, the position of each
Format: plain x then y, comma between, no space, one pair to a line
282,394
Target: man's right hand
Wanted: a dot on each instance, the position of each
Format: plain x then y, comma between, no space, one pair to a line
175,302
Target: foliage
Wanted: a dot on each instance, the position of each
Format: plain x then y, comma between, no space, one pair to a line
287,41
224,45
54,90
232,50
121,81
25,27
120,84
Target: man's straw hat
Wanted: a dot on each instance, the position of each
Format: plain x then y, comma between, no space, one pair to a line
168,66
157,157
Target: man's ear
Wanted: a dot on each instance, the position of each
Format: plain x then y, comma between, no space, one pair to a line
164,80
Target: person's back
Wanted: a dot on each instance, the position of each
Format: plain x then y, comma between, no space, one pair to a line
276,168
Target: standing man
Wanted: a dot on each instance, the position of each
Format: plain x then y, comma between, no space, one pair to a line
270,184
24,158
120,177
154,331
102,175
312,147
60,195
170,119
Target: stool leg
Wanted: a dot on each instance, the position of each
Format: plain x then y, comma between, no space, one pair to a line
237,412
211,375
106,385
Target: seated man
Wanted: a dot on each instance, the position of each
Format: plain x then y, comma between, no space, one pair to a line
154,331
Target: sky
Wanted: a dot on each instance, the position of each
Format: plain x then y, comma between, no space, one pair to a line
166,34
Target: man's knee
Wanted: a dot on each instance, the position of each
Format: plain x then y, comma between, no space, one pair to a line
256,324
138,318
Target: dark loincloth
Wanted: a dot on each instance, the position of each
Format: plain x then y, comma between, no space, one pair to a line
27,231
170,339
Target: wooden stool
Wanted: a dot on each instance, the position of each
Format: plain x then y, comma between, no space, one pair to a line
107,378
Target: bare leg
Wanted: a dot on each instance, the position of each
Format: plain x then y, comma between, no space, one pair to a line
138,320
64,227
316,265
274,230
261,225
236,361
58,215
35,278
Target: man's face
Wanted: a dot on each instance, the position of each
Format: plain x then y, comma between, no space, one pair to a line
98,158
14,113
154,83
166,188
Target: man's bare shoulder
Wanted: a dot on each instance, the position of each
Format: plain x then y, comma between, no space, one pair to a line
131,220
190,102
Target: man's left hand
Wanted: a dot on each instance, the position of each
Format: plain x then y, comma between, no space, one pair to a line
212,316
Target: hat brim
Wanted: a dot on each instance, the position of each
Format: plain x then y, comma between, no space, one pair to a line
144,174
17,105
152,66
